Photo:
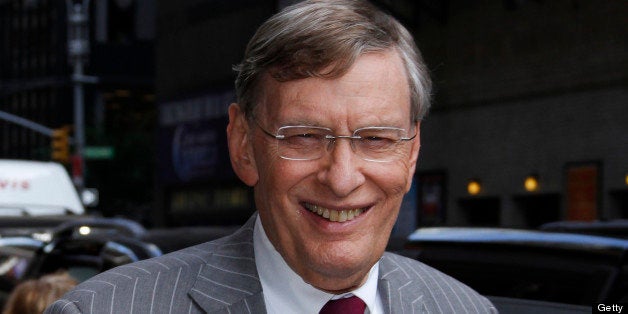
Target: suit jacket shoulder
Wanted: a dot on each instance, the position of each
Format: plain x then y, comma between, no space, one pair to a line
177,282
221,277
409,286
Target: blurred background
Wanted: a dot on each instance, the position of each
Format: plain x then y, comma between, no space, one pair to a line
529,123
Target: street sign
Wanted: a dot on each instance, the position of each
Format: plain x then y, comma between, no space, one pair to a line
99,152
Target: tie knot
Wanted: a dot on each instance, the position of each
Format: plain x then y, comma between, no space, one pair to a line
350,305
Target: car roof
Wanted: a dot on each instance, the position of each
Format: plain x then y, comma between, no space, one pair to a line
517,237
617,228
36,188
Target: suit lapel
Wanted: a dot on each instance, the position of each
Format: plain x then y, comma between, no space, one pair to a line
397,287
383,287
229,282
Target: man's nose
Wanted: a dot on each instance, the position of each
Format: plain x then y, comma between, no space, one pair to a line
341,171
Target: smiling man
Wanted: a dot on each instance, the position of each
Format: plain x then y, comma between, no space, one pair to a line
326,131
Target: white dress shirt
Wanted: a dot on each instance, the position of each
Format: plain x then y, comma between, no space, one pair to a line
286,292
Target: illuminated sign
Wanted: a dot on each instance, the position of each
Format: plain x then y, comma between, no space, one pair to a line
192,141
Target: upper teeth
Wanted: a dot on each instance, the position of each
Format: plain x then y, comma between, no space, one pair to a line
335,215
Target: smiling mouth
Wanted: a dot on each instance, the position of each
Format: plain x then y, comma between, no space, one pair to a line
335,215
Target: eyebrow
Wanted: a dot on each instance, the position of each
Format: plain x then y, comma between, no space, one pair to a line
307,121
351,130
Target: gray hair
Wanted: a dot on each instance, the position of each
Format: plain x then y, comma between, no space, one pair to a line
323,38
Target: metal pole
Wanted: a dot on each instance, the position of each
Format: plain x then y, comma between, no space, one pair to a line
78,52
79,125
26,123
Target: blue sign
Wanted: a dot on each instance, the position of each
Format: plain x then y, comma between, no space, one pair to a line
193,140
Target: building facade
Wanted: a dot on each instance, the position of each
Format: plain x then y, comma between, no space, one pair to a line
36,84
522,89
34,75
527,89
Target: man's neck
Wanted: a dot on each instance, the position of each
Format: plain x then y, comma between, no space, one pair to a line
286,291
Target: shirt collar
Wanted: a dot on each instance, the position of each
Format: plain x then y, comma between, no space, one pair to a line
286,292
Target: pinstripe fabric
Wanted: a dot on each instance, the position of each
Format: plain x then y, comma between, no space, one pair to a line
408,286
221,277
214,277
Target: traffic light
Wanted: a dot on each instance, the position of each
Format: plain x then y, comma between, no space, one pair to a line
60,145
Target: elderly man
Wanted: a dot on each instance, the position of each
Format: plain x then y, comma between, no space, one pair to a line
326,131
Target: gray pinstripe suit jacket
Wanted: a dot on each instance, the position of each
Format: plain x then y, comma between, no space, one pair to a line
221,277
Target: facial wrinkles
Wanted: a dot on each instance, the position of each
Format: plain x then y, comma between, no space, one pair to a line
362,91
363,84
270,206
366,81
390,197
344,114
289,191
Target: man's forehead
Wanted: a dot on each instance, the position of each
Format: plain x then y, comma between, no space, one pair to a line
376,77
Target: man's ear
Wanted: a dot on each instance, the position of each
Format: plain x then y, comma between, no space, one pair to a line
414,155
240,146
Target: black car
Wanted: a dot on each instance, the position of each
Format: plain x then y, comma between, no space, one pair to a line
84,246
525,271
617,228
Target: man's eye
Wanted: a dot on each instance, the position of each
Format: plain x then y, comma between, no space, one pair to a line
303,139
375,139
306,135
377,142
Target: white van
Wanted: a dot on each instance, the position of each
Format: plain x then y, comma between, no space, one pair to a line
36,188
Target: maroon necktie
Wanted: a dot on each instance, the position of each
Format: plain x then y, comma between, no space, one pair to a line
350,305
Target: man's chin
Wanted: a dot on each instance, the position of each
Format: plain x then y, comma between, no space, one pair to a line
339,276
338,285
